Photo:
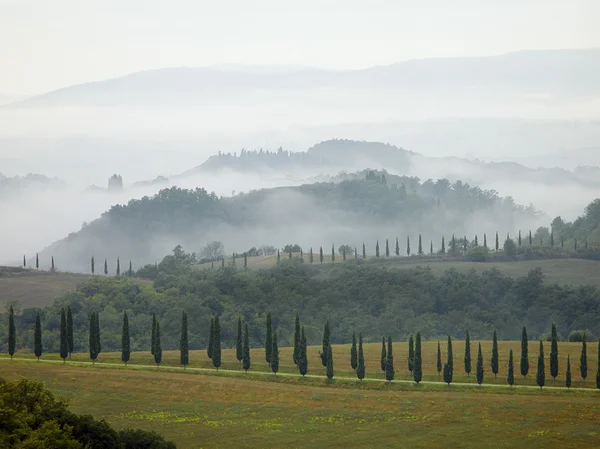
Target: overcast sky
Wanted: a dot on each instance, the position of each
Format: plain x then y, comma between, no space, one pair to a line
45,45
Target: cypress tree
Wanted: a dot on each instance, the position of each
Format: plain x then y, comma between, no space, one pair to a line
598,370
485,241
495,361
568,374
303,356
468,354
118,267
70,339
269,339
408,246
360,368
332,254
353,353
453,244
530,239
364,251
321,254
443,250
524,353
37,337
418,363
439,359
431,248
497,242
541,369
420,246
37,262
130,271
53,269
377,249
24,261
326,339
383,354
301,255
246,358
275,355
92,339
397,247
479,366
297,337
278,257
12,332
476,240
355,254
211,338
329,363
583,359
344,252
184,353
449,365
554,354
239,343
216,352
465,244
411,354
389,363
511,369
311,259
157,346
153,337
93,267
105,267
125,343
64,342
245,260
387,248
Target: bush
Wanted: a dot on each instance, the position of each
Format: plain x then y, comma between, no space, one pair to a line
577,336
477,254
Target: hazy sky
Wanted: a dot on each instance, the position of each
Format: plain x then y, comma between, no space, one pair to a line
50,44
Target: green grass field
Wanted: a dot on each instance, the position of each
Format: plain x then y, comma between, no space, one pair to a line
205,410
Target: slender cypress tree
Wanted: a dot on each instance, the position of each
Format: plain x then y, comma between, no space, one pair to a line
153,337
353,353
326,339
184,353
37,262
53,268
397,247
449,365
389,363
495,361
275,355
479,366
468,354
377,249
105,267
476,240
321,254
125,342
329,363
568,374
301,255
37,337
524,353
583,359
269,339
443,250
157,346
497,242
364,251
383,354
484,241
530,239
387,248
245,260
554,354
130,271
420,246
93,267
431,248
541,368
118,267
411,354
303,356
408,245
355,254
64,343
332,254
92,339
510,379
520,240
24,261
12,332
418,363
439,359
360,368
297,337
211,338
216,352
70,339
598,370
311,258
246,358
278,257
239,343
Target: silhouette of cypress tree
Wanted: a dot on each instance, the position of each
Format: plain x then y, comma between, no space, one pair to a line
37,337
246,358
12,332
418,362
389,362
184,353
511,369
411,354
468,354
495,361
479,366
524,353
216,351
360,369
541,368
353,353
125,342
275,355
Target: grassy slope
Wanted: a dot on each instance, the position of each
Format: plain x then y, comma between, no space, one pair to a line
219,411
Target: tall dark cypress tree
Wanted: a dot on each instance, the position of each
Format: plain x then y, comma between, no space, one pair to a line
329,363
389,362
239,342
332,254
407,245
443,250
383,354
64,342
520,240
418,362
524,353
397,247
583,359
479,366
411,354
468,354
211,336
495,361
70,339
311,258
326,339
92,339
118,267
153,337
278,257
554,354
125,342
321,254
476,240
93,267
37,262
431,248
12,332
485,241
52,268
184,353
246,358
360,368
568,374
364,251
439,359
275,355
105,267
541,368
269,339
157,346
353,353
37,337
130,271
303,356
377,249
24,261
530,239
387,248
449,365
420,246
355,254
297,338
497,242
216,352
510,379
